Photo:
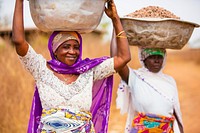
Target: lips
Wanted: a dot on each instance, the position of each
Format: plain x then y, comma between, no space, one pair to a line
72,58
156,66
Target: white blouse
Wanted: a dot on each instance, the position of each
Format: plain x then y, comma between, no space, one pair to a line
148,92
55,93
148,99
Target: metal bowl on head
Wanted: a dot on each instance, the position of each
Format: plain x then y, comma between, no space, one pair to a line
158,33
67,15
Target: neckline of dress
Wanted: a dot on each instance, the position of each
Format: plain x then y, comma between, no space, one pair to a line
63,82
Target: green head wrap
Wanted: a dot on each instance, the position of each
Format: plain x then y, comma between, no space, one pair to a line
146,52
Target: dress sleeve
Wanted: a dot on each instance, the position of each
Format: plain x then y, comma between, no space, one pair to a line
124,101
124,93
177,110
105,69
123,97
33,62
131,79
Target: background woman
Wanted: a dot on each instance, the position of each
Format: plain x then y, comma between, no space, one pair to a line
149,96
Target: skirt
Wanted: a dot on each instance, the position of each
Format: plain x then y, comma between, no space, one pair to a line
65,121
151,123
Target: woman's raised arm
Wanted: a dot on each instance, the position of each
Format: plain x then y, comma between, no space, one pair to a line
18,35
121,52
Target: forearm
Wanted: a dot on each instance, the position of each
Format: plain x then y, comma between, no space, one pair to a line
18,26
18,36
121,50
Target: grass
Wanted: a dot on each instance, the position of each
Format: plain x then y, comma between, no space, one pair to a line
17,85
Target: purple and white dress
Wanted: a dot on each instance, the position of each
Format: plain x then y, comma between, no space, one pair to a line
63,98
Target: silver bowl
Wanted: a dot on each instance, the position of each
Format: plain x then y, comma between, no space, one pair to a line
67,15
158,33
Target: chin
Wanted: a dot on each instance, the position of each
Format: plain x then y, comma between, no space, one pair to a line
70,63
155,71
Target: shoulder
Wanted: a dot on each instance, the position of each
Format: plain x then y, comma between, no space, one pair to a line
170,78
32,57
131,69
133,72
31,52
104,62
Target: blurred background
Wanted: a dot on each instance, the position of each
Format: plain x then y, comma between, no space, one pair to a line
17,85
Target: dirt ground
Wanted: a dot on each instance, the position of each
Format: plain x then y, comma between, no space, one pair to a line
184,66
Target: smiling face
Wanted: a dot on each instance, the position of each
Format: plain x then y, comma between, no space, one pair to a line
154,63
68,52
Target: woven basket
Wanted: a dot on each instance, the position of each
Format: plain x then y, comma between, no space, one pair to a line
67,15
158,33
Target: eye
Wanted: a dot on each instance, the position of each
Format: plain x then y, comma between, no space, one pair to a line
159,57
151,57
77,47
66,46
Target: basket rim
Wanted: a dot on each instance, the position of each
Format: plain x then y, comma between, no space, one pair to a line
159,20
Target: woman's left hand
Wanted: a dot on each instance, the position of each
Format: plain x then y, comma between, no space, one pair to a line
111,10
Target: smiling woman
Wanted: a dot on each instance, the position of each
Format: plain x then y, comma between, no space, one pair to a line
67,81
68,52
66,47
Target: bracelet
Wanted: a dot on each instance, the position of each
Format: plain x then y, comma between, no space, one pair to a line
121,36
120,33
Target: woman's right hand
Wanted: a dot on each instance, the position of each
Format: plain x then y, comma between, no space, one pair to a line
18,35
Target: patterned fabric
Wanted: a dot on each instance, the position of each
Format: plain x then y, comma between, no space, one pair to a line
146,52
150,123
65,120
101,89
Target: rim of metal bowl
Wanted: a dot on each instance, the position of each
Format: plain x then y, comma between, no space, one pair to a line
159,20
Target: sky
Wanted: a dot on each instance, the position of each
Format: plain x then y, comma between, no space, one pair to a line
186,9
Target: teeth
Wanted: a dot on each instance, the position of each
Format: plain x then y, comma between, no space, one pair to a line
71,58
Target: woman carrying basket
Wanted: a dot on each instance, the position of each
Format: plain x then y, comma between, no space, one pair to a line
72,94
148,96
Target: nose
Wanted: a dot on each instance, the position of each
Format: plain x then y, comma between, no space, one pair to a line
71,51
157,60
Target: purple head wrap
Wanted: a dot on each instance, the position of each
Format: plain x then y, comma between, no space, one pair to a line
101,92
